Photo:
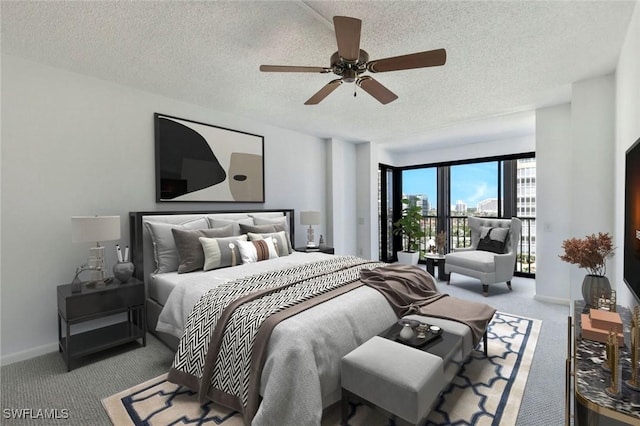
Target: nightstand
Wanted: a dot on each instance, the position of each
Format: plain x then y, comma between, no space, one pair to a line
93,303
321,249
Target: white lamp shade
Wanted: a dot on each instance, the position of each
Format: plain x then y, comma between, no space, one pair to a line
95,228
310,218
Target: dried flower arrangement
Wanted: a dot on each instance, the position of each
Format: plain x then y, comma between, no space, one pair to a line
590,253
441,241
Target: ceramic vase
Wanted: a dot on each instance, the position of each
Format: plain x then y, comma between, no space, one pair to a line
123,271
408,258
407,332
596,283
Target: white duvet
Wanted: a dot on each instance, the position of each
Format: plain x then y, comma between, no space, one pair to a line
301,375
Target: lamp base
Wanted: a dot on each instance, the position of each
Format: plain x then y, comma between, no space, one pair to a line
311,239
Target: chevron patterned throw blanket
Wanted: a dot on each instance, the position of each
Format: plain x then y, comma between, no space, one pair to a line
224,345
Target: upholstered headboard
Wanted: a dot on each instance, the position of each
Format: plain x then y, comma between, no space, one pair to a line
142,246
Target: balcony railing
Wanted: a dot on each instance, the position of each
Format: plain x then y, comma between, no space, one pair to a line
460,236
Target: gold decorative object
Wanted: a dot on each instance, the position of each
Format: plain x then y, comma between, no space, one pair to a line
606,365
633,382
612,346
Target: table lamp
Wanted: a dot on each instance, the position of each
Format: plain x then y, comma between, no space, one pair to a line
93,229
310,218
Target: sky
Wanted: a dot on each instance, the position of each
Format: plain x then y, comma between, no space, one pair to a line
469,182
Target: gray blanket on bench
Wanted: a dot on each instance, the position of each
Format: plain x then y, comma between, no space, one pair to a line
411,290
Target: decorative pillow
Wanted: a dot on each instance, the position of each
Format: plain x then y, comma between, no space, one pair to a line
276,221
493,239
256,251
221,252
189,248
165,252
217,223
260,229
279,238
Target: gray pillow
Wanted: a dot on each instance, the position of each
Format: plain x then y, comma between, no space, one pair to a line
283,221
281,240
493,239
189,247
217,223
259,229
221,252
165,252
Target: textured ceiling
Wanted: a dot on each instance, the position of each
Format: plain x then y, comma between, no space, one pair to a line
503,57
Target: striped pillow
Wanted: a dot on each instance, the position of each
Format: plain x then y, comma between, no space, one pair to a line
256,251
221,252
279,238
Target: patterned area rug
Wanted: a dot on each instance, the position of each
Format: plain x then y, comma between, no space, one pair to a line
486,391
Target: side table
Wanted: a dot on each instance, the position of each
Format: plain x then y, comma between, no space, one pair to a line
432,260
100,302
321,249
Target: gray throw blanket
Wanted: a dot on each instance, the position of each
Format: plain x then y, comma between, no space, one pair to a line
411,290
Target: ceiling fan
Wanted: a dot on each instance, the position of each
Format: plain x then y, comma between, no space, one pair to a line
350,62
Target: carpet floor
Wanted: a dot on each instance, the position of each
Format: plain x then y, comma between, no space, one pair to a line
487,390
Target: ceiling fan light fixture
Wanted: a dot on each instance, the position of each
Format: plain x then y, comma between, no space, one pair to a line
349,75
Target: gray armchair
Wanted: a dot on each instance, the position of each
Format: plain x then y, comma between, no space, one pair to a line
488,267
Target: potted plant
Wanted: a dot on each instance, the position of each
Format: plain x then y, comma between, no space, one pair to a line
410,227
591,253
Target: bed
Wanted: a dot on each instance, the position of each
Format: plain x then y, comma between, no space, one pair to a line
300,376
267,337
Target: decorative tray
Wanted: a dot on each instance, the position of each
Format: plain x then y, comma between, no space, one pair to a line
423,333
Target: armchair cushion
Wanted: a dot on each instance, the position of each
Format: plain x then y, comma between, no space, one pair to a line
477,260
493,239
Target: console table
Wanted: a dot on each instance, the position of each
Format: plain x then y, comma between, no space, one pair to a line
592,406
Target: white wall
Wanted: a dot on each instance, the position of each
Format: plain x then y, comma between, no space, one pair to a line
367,160
627,126
553,201
465,152
592,149
75,145
342,197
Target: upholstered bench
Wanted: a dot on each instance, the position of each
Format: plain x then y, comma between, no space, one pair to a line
401,380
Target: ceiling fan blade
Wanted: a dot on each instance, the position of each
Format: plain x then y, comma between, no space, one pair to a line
287,68
324,92
431,58
377,90
348,37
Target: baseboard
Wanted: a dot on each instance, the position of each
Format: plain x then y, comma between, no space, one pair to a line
28,353
555,300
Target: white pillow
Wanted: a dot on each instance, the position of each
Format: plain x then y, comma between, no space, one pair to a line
217,223
165,252
256,251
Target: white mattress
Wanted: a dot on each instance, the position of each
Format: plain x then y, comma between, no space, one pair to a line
179,293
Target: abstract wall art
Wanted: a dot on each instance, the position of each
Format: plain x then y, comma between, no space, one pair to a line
201,162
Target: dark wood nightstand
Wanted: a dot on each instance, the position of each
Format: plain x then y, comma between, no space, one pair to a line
321,249
92,303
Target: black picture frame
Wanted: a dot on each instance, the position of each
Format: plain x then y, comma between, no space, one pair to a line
200,162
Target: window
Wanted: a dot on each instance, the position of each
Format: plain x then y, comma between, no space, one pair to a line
474,187
451,192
